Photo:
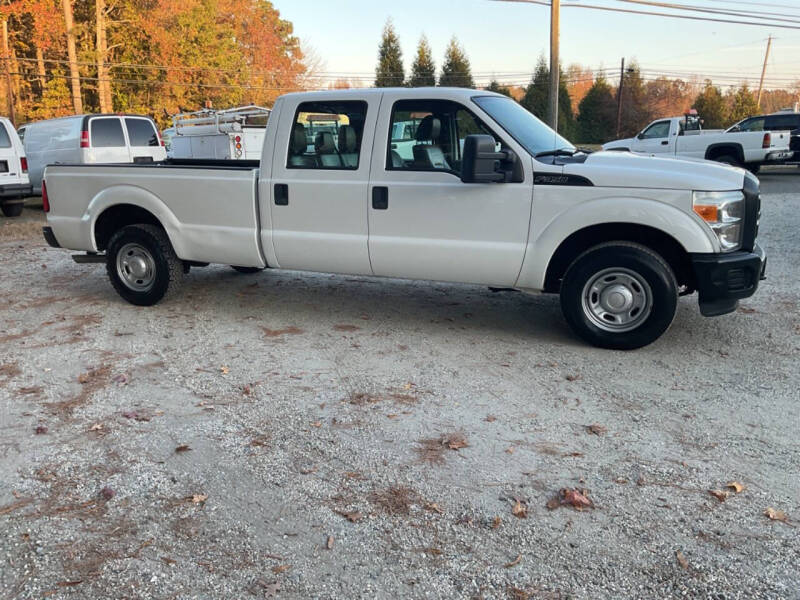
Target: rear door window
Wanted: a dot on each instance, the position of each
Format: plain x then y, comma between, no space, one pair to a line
107,133
782,123
5,140
141,132
327,135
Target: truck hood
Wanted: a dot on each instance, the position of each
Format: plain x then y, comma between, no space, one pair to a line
628,170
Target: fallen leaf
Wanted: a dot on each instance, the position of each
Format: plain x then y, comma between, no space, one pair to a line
225,370
496,522
96,427
577,499
121,379
83,378
455,441
107,493
408,386
490,418
281,568
433,507
681,559
329,543
596,429
433,551
168,560
776,515
572,377
514,562
736,487
198,498
509,450
519,510
317,424
40,429
352,516
69,583
183,448
720,495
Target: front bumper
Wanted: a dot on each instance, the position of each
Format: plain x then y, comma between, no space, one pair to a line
722,280
15,191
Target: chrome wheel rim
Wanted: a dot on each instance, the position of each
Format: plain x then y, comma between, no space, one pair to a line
617,300
136,267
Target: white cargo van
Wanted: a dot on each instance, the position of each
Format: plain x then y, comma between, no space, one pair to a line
14,182
90,139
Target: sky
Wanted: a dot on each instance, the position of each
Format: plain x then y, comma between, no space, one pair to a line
505,39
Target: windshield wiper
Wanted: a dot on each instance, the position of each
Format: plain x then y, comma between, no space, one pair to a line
557,152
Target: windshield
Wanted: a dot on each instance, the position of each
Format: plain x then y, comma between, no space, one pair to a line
525,128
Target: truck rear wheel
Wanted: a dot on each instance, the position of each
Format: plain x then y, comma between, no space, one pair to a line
12,209
619,295
142,264
728,159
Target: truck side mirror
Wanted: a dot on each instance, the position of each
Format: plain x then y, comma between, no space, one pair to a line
481,163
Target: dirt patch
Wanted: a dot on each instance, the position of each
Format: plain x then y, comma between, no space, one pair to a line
434,450
92,381
279,332
395,500
346,327
365,399
9,370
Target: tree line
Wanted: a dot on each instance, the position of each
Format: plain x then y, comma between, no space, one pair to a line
588,103
146,56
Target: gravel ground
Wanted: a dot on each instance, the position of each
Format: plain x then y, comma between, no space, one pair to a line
310,436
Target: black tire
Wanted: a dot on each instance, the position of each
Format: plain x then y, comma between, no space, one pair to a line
728,159
12,209
166,272
626,259
247,270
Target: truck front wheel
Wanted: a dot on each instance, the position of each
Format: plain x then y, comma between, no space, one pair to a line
142,264
619,295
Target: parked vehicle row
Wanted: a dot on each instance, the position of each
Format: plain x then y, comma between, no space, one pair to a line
619,236
14,180
684,136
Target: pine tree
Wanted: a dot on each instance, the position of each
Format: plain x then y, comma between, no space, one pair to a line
494,86
742,103
711,107
423,71
456,71
597,114
536,94
537,98
389,72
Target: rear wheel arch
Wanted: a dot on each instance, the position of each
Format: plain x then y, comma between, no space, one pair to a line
115,217
657,241
716,151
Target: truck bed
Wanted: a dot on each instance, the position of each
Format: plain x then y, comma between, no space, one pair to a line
209,208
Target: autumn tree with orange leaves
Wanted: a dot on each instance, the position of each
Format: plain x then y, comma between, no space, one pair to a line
148,56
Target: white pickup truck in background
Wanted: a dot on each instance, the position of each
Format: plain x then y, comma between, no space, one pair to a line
485,194
684,136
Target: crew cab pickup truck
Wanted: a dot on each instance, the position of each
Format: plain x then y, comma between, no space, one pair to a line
683,136
487,195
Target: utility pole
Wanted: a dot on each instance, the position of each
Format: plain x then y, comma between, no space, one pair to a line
555,9
763,72
619,94
7,60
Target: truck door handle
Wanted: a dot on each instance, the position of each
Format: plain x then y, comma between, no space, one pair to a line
380,197
281,194
665,143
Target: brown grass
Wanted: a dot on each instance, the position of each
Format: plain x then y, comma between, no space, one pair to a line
363,399
20,230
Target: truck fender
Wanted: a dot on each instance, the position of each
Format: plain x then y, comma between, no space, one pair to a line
135,196
722,148
686,229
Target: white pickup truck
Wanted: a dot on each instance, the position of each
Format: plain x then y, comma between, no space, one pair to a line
683,136
487,195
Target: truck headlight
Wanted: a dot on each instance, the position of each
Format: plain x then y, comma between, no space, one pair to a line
724,213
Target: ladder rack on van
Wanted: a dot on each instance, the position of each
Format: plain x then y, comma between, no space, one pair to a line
209,121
